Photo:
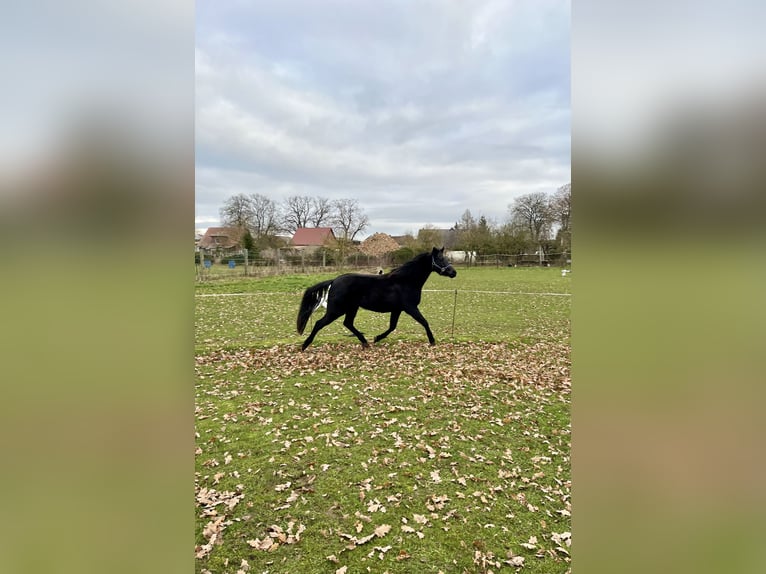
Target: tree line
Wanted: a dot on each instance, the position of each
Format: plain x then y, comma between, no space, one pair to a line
535,223
538,223
263,218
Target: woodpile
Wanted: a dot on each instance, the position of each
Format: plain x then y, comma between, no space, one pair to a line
378,245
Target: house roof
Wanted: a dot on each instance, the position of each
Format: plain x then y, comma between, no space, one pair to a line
221,237
311,236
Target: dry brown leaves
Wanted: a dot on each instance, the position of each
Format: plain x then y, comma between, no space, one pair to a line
208,500
276,535
378,244
543,365
460,382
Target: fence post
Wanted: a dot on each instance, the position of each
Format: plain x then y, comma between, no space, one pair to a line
454,307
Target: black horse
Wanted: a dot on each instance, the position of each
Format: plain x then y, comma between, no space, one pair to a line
394,292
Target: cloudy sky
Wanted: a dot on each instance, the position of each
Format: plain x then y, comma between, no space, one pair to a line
419,110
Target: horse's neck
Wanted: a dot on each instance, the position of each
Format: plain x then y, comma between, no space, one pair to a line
419,272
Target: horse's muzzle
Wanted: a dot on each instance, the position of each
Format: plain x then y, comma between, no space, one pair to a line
450,272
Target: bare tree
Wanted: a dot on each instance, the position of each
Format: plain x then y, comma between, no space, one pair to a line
467,221
561,210
265,219
237,211
296,212
467,235
348,219
429,237
321,211
533,214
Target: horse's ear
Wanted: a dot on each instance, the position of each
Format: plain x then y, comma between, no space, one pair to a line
434,251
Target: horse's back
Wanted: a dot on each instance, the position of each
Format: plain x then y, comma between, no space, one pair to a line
355,281
372,292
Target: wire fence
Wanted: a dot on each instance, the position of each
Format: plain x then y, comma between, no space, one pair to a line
221,267
225,319
456,291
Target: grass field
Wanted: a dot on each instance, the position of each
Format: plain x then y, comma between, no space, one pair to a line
402,458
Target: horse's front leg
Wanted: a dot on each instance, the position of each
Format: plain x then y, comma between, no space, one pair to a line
391,325
415,313
348,322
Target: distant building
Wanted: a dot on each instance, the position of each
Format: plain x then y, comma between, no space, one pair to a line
222,240
309,239
460,256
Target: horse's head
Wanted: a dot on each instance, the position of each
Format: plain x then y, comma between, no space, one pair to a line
440,264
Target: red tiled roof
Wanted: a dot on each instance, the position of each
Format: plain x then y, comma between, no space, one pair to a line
311,236
221,237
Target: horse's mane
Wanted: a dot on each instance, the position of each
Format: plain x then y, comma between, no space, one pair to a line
411,264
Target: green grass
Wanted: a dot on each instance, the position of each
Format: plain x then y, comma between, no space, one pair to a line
263,311
462,449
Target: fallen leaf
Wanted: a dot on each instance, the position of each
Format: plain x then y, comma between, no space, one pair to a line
532,544
364,539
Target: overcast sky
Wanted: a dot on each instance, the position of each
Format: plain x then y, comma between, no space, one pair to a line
419,110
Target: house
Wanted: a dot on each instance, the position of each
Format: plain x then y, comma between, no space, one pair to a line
310,239
222,240
460,256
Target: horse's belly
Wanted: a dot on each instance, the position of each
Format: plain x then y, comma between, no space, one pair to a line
380,304
378,307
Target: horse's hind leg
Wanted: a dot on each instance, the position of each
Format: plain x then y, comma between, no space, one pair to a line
321,323
391,326
348,322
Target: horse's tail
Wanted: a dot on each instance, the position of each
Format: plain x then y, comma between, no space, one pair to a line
313,297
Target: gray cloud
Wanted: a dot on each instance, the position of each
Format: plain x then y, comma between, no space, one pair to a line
418,110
